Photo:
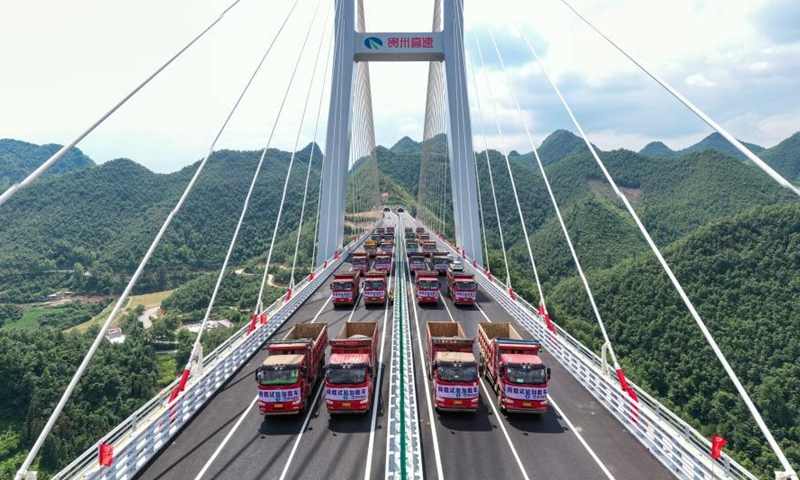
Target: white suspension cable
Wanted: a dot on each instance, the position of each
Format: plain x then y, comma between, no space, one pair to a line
696,110
66,148
260,303
706,333
193,357
491,177
510,173
101,334
314,144
599,319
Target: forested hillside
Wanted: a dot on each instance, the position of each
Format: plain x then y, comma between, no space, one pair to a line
19,159
742,275
101,220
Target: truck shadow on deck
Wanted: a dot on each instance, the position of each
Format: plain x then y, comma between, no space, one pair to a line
549,422
480,421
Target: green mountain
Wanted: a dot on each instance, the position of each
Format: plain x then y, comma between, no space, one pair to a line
19,159
556,147
105,217
658,150
741,275
785,158
715,142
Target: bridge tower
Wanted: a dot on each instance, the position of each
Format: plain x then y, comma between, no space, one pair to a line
353,44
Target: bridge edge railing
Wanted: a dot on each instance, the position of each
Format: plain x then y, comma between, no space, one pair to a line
142,435
675,443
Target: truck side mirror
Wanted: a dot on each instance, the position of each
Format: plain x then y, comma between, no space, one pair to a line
501,370
304,369
480,370
258,375
548,373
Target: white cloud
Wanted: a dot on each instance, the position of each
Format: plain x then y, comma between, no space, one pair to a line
69,66
699,80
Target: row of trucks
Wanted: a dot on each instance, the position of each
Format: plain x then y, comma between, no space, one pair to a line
346,288
295,363
360,261
461,286
509,363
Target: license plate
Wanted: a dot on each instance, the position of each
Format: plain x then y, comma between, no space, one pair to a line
346,404
456,402
278,405
527,404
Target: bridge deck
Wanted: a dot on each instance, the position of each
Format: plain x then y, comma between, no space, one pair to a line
471,445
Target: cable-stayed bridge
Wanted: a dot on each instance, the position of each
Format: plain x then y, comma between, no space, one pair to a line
598,423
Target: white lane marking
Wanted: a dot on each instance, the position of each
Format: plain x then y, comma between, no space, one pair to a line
437,455
226,440
581,439
447,309
505,432
377,390
355,306
302,431
321,309
483,313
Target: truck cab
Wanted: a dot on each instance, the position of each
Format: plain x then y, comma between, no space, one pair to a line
287,376
440,263
412,246
452,367
462,287
523,383
371,247
417,262
427,287
279,384
359,262
383,262
350,378
345,288
374,288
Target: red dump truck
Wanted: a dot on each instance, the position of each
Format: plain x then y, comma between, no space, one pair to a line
441,262
386,247
429,247
292,367
350,379
461,287
417,261
513,366
345,288
374,288
359,262
427,286
420,230
452,367
383,262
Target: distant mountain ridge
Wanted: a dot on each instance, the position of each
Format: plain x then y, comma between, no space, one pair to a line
19,159
715,142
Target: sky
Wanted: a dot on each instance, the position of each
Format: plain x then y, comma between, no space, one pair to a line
738,60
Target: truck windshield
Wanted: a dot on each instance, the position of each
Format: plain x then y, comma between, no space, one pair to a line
458,373
439,261
468,286
374,285
342,376
526,374
341,286
428,285
284,376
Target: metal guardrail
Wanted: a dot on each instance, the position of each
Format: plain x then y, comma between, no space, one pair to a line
678,446
142,435
403,448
